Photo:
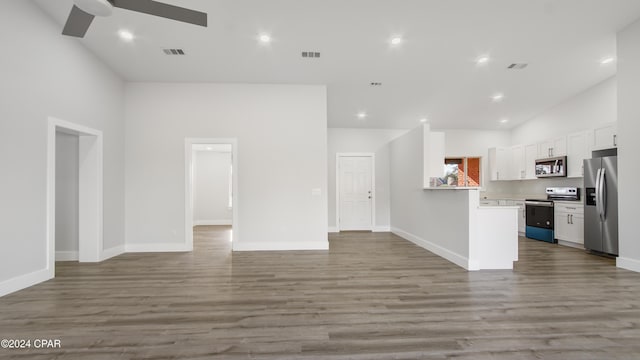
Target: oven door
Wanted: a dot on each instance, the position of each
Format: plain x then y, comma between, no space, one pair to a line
539,214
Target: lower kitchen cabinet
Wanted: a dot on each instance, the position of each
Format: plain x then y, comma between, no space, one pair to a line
569,222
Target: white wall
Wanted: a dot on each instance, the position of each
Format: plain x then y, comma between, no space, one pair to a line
67,175
211,178
588,109
282,155
367,141
47,74
629,146
427,216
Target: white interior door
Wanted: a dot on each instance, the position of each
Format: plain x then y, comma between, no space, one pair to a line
355,180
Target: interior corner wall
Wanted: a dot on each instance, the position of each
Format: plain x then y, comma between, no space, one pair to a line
67,192
211,184
628,145
46,74
281,132
435,219
375,141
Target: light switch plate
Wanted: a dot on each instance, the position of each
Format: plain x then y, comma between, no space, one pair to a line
316,192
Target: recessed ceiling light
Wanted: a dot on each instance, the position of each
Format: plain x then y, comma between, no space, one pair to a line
209,148
424,120
361,115
126,35
396,40
264,38
497,97
504,121
607,60
483,60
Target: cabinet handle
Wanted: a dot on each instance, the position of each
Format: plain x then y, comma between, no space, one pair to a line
571,218
615,140
568,219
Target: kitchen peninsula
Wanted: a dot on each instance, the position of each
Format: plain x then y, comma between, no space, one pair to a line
447,221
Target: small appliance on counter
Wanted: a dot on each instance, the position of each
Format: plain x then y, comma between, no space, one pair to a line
539,213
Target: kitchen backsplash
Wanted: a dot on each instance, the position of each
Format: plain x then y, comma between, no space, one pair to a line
522,189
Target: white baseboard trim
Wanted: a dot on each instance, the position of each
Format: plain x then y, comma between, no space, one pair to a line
571,244
132,248
381,228
66,256
288,246
629,264
212,222
112,252
333,229
24,281
455,258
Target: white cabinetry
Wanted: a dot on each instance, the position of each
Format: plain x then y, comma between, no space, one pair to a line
552,147
518,168
530,156
577,151
499,163
605,137
569,222
522,216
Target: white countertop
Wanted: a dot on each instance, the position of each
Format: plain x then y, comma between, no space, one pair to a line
451,188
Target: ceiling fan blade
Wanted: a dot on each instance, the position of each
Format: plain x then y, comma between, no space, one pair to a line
77,23
163,10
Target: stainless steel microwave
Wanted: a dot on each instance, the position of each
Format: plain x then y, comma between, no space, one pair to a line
551,167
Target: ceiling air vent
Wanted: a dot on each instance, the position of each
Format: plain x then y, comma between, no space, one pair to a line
517,66
376,84
173,51
310,54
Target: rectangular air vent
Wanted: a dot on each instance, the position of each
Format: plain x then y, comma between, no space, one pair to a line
517,66
173,51
376,84
310,54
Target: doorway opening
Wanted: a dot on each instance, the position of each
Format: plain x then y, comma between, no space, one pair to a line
74,196
355,195
211,208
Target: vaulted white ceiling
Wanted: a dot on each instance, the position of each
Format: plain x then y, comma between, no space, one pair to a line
432,74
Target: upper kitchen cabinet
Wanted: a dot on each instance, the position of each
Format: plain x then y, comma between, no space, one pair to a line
605,137
552,148
523,161
530,156
499,158
577,151
518,162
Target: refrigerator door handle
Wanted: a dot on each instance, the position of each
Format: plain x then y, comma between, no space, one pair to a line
597,191
603,195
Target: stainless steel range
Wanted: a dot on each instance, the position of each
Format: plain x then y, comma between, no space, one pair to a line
539,213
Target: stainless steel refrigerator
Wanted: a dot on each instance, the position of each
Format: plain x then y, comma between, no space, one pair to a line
601,204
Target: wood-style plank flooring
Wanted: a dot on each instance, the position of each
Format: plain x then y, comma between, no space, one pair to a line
371,296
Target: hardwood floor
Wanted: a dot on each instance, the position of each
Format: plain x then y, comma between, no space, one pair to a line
371,296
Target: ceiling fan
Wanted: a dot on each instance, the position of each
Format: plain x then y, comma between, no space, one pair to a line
84,11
